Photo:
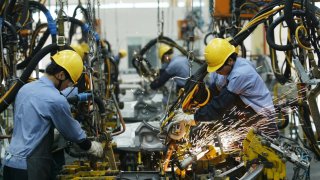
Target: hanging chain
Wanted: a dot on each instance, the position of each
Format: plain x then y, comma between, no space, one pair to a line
160,20
90,34
191,40
98,4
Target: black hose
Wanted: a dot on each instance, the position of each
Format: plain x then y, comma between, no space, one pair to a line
100,104
72,27
9,96
44,38
12,29
24,14
270,33
108,45
310,14
165,40
240,37
288,16
205,40
35,33
40,44
51,23
25,11
74,21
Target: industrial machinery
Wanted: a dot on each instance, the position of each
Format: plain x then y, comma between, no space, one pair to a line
160,140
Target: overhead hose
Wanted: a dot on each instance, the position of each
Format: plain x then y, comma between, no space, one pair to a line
35,34
205,40
72,27
52,26
270,33
151,43
288,15
241,36
25,13
9,96
84,27
74,21
310,11
313,25
43,39
106,45
40,44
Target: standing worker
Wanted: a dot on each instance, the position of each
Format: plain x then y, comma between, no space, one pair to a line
82,49
239,85
121,54
172,66
39,108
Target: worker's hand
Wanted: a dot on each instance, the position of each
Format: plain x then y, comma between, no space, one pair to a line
96,149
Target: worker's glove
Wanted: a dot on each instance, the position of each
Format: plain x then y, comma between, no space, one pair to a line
96,149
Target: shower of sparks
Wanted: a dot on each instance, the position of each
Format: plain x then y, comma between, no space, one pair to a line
228,133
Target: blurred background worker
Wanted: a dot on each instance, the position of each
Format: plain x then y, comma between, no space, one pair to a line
82,49
121,54
172,66
39,108
237,90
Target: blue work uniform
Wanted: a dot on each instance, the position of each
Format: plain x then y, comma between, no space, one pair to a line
244,89
38,108
177,67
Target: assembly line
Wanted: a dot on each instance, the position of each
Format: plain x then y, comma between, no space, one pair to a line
193,104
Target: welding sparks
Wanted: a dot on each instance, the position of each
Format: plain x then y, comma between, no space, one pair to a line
228,133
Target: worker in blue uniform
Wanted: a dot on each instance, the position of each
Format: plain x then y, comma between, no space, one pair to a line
39,108
172,66
121,54
236,84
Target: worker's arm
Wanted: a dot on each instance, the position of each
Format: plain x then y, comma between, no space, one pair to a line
68,126
160,81
216,108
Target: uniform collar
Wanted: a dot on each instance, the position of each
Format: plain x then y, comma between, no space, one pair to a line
47,81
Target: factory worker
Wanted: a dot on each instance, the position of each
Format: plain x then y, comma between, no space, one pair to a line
121,54
237,90
82,49
172,66
39,108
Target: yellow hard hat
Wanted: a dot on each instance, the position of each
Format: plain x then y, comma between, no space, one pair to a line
217,52
71,62
122,53
78,48
163,49
85,47
237,47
